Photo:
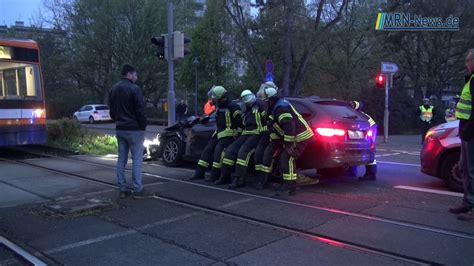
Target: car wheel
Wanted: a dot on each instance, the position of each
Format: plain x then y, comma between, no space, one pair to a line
91,120
450,172
330,172
173,152
76,119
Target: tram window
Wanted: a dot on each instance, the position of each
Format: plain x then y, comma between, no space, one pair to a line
10,82
20,81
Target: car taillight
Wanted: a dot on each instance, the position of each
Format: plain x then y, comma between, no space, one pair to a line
330,132
370,133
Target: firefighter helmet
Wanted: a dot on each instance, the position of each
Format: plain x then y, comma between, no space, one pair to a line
218,92
247,97
267,90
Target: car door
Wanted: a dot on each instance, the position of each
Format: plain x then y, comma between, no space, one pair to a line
80,113
87,112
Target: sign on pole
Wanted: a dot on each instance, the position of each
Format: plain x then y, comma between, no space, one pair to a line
389,68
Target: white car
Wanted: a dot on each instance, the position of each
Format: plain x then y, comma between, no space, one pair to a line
92,113
440,154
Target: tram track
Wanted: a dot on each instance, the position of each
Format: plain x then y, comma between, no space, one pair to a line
401,223
326,239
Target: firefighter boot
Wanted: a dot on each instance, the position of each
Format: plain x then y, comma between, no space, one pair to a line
226,171
198,173
288,187
237,181
215,174
261,180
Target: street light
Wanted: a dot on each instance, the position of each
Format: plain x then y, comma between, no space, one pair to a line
195,63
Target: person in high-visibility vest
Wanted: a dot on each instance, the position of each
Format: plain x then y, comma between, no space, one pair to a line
209,108
370,168
425,112
466,134
449,114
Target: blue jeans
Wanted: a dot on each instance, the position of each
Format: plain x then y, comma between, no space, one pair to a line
466,165
130,141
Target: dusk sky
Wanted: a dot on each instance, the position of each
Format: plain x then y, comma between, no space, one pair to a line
24,10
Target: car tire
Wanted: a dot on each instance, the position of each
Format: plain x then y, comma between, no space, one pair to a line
330,172
450,172
91,120
172,152
76,119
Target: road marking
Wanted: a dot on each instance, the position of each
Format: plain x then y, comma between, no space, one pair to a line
235,203
406,164
390,154
436,191
23,253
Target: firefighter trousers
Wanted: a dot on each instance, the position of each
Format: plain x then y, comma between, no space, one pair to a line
267,158
214,151
288,161
238,154
259,150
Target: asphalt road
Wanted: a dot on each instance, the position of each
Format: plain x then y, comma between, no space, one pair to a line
401,218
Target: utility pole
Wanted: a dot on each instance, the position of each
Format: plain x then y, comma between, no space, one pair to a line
171,94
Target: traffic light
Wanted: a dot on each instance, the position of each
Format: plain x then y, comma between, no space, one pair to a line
179,50
162,43
380,81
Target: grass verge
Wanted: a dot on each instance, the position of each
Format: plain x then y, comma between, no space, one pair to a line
70,135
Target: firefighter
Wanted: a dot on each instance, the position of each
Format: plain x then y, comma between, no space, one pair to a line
238,154
371,168
267,145
296,133
425,116
228,119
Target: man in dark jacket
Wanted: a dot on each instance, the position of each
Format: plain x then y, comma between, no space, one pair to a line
181,110
466,134
127,109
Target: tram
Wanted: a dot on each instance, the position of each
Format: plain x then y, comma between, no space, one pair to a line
22,103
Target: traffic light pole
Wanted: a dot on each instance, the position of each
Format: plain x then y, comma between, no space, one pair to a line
388,83
171,95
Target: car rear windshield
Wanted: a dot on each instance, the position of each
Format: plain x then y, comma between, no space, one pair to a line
102,107
340,110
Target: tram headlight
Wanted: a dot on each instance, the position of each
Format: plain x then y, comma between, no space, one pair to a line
39,113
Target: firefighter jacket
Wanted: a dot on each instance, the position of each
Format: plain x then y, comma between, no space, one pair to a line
254,119
229,120
289,123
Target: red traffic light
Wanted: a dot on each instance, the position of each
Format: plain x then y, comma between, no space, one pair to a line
380,81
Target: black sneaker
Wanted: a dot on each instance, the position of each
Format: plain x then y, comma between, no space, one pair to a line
143,194
459,210
124,194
